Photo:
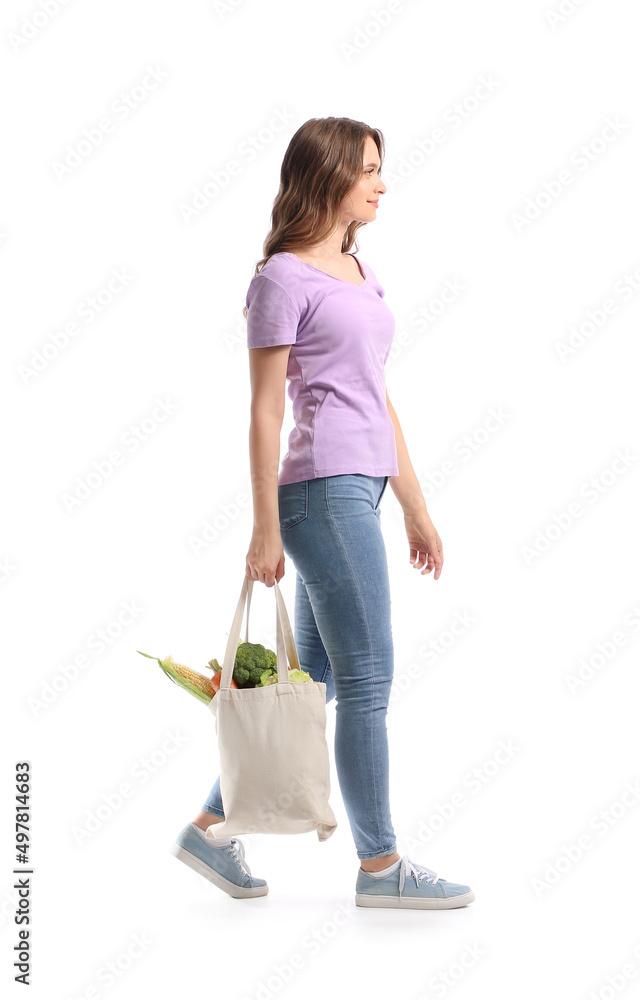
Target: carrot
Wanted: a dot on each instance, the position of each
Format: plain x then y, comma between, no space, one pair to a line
217,677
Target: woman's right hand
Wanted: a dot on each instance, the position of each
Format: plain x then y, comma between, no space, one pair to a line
265,558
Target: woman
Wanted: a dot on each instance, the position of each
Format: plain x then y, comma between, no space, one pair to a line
316,316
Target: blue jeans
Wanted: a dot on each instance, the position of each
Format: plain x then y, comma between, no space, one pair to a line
330,530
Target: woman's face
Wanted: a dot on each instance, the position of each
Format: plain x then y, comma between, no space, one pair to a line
360,203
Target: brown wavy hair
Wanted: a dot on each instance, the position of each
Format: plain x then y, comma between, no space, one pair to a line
322,163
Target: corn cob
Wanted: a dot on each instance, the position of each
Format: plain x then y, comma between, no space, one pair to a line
196,684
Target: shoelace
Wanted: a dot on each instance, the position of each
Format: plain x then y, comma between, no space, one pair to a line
237,851
419,872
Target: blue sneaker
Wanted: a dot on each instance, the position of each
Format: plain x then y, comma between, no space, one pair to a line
221,860
413,886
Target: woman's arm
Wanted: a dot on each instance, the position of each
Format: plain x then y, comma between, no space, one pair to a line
425,544
267,367
405,485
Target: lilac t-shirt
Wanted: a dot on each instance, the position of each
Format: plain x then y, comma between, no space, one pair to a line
341,335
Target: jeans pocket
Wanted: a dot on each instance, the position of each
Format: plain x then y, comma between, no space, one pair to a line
293,504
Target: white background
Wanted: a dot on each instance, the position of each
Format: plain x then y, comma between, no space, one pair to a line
540,565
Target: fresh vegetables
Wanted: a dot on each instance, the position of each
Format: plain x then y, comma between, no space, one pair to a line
294,675
217,677
252,659
255,666
299,675
198,685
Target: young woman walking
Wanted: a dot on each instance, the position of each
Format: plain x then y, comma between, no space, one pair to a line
316,317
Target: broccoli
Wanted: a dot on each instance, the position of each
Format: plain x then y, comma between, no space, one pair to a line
252,659
257,666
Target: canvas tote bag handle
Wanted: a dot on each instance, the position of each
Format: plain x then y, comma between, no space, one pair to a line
246,633
283,625
285,644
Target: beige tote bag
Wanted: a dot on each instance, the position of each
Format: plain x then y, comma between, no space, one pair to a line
274,759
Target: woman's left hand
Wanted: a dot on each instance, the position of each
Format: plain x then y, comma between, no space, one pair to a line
425,545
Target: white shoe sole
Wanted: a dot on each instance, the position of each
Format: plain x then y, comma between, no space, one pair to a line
237,891
414,902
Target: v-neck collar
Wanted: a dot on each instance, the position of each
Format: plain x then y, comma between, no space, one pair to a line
320,271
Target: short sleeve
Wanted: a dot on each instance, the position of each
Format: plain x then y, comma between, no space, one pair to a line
273,316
